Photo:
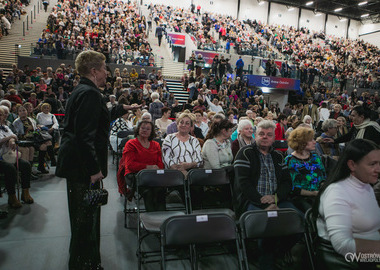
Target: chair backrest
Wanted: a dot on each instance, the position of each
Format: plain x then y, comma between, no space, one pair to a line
329,163
266,224
311,222
205,177
160,178
124,133
123,143
198,229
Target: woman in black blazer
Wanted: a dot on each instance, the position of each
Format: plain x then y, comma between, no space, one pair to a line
82,157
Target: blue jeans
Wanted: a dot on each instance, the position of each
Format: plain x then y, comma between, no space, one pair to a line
192,92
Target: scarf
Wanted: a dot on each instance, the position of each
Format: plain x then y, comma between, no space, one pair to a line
362,127
242,142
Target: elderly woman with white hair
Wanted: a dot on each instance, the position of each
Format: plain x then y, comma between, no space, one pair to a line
307,120
245,136
156,106
330,128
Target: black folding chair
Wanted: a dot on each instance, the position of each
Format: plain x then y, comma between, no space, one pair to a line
121,140
195,230
202,183
311,235
150,222
258,224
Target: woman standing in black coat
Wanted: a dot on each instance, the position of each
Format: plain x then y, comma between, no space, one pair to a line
82,158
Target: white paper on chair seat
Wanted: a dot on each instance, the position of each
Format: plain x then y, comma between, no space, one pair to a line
272,213
160,171
208,171
202,218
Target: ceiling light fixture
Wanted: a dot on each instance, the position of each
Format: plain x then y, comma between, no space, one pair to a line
364,15
362,3
338,9
309,3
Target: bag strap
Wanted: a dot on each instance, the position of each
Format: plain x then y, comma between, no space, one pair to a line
101,185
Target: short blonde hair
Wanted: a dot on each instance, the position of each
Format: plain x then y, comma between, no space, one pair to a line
87,60
299,137
184,115
45,105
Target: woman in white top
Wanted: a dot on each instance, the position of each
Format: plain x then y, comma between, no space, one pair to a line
216,151
180,150
347,211
48,121
121,124
163,122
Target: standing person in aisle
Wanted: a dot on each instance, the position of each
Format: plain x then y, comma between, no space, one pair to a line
82,158
159,33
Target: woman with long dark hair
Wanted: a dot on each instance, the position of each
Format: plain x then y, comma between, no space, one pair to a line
216,151
348,216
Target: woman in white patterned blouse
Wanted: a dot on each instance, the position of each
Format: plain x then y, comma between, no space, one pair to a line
180,150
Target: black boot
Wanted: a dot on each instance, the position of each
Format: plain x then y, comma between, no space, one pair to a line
41,162
50,151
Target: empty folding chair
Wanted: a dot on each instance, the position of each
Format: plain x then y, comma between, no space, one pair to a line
258,224
202,183
195,230
150,222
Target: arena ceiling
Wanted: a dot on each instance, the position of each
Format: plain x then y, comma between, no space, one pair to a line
367,11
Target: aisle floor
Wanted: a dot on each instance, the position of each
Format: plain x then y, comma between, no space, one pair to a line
37,236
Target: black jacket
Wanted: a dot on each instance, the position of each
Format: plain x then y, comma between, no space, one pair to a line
83,150
247,173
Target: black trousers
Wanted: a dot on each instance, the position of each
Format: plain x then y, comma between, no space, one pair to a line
159,40
10,173
85,227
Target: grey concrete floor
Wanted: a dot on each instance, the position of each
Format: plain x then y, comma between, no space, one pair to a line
37,236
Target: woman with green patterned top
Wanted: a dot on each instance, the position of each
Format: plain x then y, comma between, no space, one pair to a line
305,167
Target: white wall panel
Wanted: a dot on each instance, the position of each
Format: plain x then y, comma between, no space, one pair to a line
280,15
371,38
312,22
173,3
250,9
225,7
353,30
336,27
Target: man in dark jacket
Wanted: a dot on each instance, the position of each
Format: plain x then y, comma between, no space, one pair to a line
262,181
159,33
82,157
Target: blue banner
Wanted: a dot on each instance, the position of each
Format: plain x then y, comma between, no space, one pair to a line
273,82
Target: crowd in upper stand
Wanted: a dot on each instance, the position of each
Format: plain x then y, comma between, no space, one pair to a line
113,28
9,11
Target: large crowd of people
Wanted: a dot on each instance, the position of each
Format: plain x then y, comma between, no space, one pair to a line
224,122
114,28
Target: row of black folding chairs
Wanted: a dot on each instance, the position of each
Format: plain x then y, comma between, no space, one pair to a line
187,227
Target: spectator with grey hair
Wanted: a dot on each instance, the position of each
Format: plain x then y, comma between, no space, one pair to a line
262,181
146,117
244,137
330,128
156,106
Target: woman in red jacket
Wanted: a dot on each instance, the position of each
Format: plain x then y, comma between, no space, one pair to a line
144,153
282,121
